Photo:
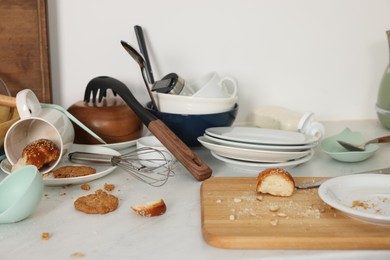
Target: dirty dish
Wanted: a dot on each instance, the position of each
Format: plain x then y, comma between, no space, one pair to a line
335,150
20,194
253,155
101,170
188,127
256,167
365,196
256,135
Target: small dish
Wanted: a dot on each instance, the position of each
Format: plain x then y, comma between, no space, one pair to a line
331,147
362,196
20,194
101,170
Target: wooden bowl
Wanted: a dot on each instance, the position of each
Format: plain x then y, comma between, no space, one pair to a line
110,119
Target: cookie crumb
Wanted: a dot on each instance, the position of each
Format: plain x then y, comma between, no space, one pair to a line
45,236
85,187
109,187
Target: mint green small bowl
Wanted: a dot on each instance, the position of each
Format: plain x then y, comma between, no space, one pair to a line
20,194
331,147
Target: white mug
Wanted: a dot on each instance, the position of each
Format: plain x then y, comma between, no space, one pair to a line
37,123
213,86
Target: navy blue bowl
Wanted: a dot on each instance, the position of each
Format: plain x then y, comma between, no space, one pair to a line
189,127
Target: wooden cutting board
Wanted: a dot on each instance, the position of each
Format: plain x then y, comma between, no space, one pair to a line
234,216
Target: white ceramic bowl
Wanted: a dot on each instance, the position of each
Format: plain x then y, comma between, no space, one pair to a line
176,104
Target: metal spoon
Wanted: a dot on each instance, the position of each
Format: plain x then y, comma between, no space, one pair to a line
362,147
141,62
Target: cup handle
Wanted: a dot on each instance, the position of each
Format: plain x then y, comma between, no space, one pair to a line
229,85
27,104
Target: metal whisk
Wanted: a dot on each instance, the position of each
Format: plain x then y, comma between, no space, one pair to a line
149,165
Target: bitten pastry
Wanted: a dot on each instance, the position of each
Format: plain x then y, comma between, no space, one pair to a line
275,181
38,153
153,209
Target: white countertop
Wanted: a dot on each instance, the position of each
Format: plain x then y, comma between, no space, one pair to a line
175,235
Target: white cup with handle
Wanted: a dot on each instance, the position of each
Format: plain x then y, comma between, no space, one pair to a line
37,123
213,86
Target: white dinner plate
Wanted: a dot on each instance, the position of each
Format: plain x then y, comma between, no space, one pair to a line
362,196
253,155
256,167
256,135
101,169
118,146
287,148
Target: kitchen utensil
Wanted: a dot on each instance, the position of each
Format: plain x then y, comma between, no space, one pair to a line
111,119
331,147
101,169
20,194
383,99
179,104
11,101
362,147
151,159
141,62
37,123
363,197
147,164
188,127
232,216
142,46
317,183
170,83
195,165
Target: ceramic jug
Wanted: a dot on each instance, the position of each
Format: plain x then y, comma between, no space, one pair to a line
383,101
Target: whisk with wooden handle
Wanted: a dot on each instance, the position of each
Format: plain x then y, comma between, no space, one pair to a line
147,164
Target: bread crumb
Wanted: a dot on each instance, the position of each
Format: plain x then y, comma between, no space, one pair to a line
232,217
85,187
77,255
259,198
274,222
109,187
281,214
218,201
273,208
237,200
45,236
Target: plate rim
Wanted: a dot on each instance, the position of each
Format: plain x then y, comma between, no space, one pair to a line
363,216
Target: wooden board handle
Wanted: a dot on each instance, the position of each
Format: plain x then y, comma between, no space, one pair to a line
7,101
195,165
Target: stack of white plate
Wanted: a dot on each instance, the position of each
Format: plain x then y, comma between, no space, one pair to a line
254,149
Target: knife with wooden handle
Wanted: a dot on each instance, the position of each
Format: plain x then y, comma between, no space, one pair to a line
317,183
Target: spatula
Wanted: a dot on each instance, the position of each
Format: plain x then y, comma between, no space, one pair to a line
362,147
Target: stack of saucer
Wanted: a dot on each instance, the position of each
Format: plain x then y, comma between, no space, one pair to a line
254,149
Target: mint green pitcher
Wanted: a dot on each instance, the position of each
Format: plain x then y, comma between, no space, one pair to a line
383,101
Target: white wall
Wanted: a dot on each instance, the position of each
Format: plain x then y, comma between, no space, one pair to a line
326,56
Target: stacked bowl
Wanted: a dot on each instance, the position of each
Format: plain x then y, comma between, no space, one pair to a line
208,102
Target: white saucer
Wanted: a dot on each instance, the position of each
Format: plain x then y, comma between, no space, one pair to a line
101,169
253,155
362,196
256,167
